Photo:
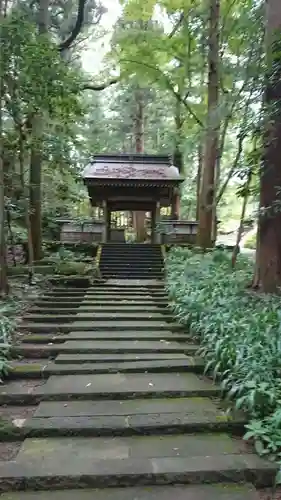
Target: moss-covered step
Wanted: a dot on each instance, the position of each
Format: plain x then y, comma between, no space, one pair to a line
109,386
97,303
104,308
148,288
125,285
167,492
106,346
70,302
106,292
74,462
163,335
133,417
86,316
97,326
45,369
120,358
20,270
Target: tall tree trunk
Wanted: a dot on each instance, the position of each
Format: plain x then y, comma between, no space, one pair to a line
25,186
139,217
35,189
207,204
36,157
178,158
268,254
4,286
242,218
198,178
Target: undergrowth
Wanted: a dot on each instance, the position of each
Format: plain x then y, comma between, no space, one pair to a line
7,325
239,334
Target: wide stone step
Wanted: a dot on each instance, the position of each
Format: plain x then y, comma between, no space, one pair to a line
96,326
167,492
97,300
103,346
110,386
133,417
131,263
110,335
75,366
132,274
119,308
140,285
149,460
105,291
69,304
86,316
120,358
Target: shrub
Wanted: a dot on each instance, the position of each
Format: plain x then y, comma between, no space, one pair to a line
72,268
85,249
239,335
6,327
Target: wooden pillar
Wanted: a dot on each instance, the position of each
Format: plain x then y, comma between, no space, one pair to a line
107,222
157,219
175,206
153,225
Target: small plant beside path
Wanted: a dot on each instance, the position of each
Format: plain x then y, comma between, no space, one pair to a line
239,333
11,310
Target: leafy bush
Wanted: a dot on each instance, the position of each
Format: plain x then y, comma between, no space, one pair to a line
239,334
73,268
6,327
86,249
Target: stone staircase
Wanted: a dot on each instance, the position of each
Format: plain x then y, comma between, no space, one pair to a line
109,402
131,260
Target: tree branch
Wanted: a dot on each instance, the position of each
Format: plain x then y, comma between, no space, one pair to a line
77,28
169,86
102,86
177,25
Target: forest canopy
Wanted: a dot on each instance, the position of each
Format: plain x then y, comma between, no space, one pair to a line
194,71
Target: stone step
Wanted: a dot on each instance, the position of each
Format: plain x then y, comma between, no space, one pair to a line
99,291
126,292
69,304
97,325
131,417
120,358
87,309
73,462
109,335
115,299
124,264
119,285
131,255
136,269
109,386
108,275
104,346
45,369
134,261
168,492
84,316
137,283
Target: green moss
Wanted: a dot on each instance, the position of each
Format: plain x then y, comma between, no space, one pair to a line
23,269
32,367
224,418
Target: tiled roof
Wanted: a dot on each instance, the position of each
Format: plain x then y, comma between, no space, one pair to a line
126,170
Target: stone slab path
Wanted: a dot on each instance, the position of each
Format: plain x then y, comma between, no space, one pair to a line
108,401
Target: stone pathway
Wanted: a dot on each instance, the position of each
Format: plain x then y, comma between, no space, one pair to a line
109,402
